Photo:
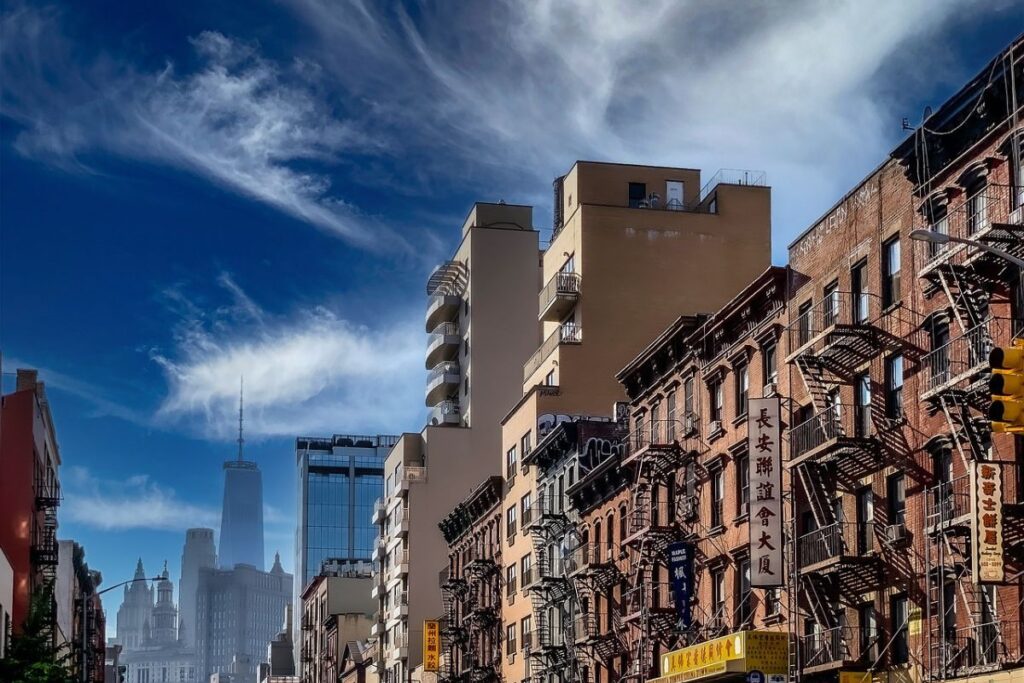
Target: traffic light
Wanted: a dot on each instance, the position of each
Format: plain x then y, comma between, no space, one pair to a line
1007,387
122,673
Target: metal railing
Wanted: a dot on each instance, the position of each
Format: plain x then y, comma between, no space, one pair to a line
567,333
839,420
560,284
970,218
439,335
656,433
835,540
836,308
656,595
837,645
446,368
590,554
734,176
444,409
650,514
978,645
963,355
949,500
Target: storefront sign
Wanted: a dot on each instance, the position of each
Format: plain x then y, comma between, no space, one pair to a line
763,651
765,504
987,522
680,567
431,645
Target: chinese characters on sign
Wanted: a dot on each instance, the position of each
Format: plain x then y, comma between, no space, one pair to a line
680,567
987,522
763,442
431,646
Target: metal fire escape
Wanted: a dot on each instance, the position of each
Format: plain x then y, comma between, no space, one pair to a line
955,385
593,570
44,550
482,617
655,453
551,652
454,636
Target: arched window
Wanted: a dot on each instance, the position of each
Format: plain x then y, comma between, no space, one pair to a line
597,541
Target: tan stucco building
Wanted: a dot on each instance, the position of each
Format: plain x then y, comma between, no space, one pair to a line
335,611
482,319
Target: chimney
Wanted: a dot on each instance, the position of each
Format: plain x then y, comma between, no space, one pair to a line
27,380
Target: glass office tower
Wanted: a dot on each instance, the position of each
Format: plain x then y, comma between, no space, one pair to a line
339,480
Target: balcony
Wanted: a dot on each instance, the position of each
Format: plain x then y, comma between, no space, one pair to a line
834,648
380,512
982,647
47,494
653,600
377,629
596,562
656,447
442,381
594,631
558,297
567,333
44,550
651,525
986,217
846,329
843,433
847,549
442,308
546,517
443,344
446,413
963,358
948,506
378,551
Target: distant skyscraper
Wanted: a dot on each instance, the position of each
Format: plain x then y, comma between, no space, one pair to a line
135,616
199,552
238,613
241,521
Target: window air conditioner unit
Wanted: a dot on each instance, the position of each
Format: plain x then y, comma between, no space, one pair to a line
689,425
770,389
716,426
896,534
1017,216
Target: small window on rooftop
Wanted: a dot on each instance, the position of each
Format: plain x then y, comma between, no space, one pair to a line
637,194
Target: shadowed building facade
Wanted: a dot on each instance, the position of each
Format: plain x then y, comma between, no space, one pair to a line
241,522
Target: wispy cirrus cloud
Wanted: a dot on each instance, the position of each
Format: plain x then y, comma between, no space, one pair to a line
309,371
136,502
250,125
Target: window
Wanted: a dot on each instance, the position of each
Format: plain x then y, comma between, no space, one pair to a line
868,630
524,630
510,579
742,484
717,494
977,207
510,523
465,386
526,569
1017,174
772,601
890,272
896,495
938,368
715,399
525,444
623,524
771,368
549,379
865,519
939,224
898,616
670,417
858,292
742,388
894,387
688,396
656,425
526,508
637,195
830,304
862,405
744,604
510,639
718,596
803,323
510,463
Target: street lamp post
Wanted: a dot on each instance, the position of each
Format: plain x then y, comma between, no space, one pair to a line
85,622
942,238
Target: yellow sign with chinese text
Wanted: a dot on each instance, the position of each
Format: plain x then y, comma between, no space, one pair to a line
854,677
764,651
431,645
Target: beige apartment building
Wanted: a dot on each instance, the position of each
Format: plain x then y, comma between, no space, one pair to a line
482,319
634,247
336,609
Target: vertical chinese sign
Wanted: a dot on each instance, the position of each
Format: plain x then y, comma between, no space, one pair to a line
680,568
766,539
431,645
987,522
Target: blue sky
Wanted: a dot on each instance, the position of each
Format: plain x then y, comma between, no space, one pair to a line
193,192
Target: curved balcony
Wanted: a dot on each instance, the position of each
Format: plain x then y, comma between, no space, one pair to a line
441,308
559,296
443,344
442,381
446,413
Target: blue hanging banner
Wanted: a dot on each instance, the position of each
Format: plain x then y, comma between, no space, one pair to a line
680,569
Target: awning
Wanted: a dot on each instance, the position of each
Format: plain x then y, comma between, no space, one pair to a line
741,652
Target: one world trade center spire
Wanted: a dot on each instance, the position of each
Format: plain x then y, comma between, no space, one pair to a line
241,521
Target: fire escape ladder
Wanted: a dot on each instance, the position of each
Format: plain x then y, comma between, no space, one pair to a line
811,475
813,375
950,407
817,588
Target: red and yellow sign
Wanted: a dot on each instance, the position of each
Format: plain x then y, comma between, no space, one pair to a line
431,645
764,651
987,522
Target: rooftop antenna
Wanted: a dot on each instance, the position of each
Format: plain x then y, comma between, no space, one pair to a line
241,393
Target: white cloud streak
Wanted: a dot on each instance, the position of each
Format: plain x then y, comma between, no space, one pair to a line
308,372
133,503
245,123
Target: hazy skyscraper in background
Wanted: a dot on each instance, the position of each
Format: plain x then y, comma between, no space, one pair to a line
199,552
241,520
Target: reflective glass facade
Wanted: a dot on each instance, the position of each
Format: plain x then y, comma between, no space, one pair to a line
339,480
